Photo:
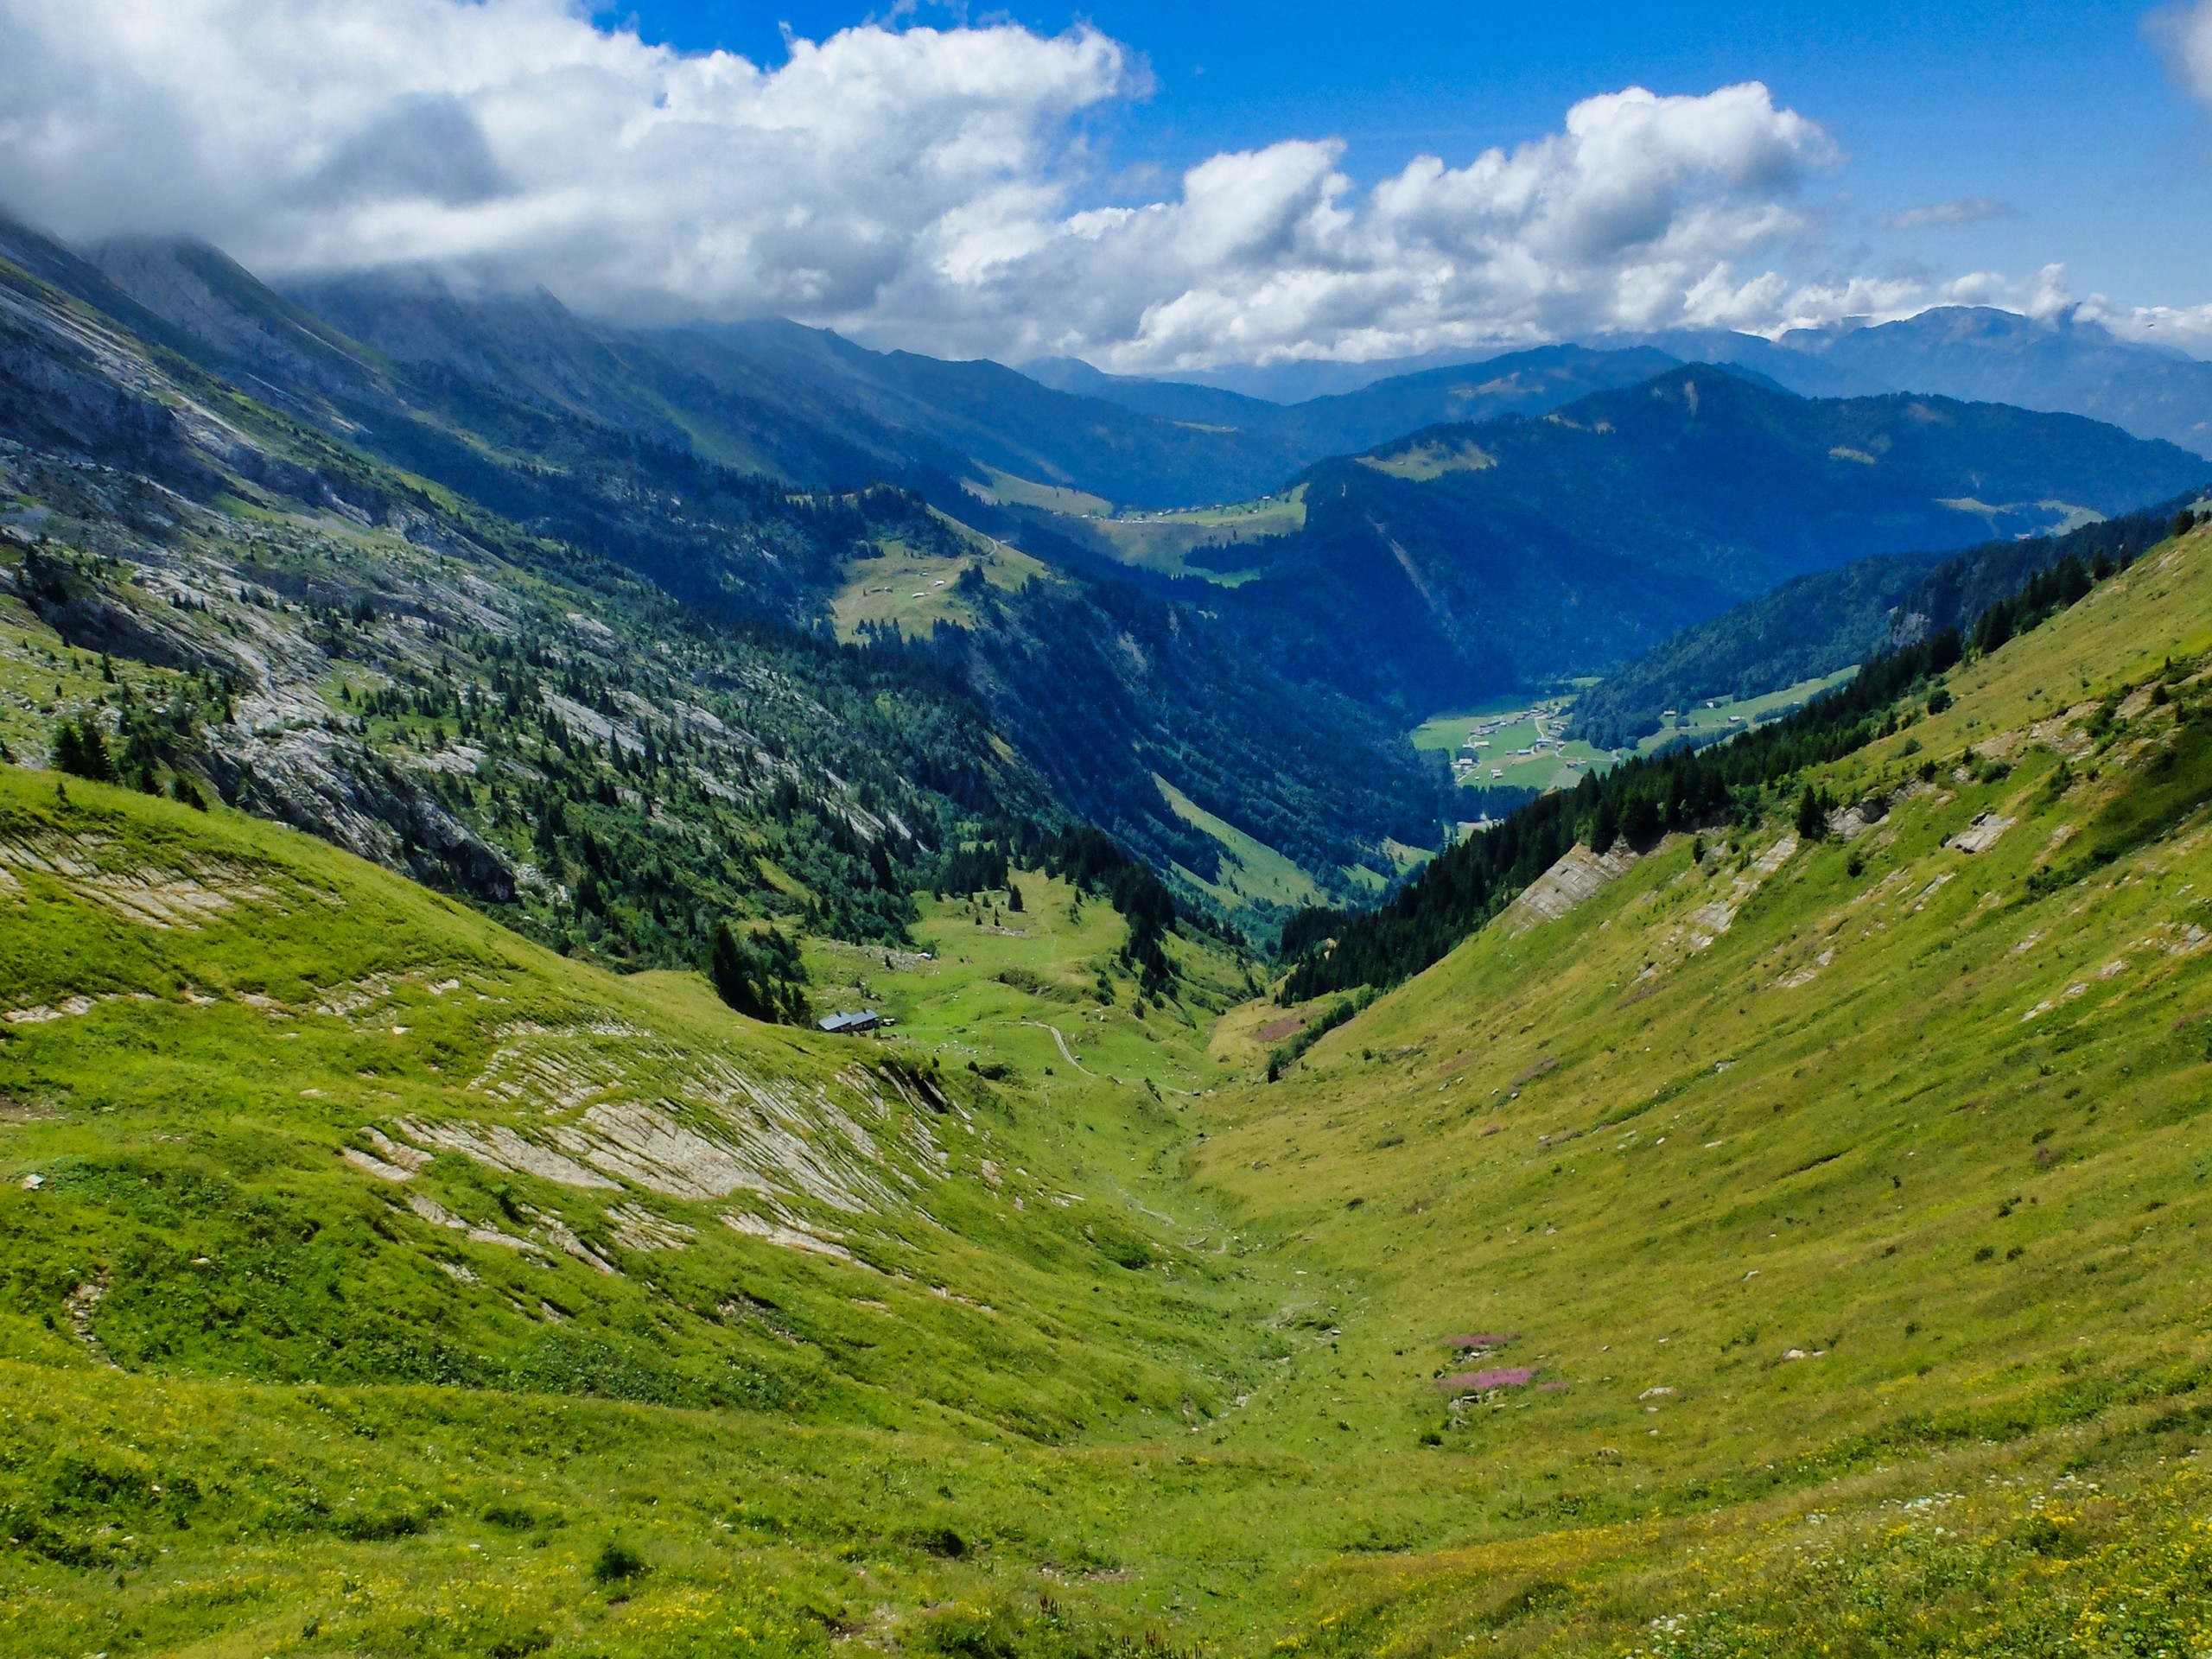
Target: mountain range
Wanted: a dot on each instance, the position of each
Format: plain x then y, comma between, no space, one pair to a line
1476,557
1770,1229
2065,364
1234,703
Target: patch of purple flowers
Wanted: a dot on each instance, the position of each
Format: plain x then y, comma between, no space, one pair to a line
1502,1377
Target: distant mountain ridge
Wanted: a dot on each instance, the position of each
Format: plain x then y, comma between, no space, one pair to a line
1472,559
2063,365
1516,382
1980,353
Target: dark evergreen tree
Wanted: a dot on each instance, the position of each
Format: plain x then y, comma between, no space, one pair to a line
80,750
761,977
1812,823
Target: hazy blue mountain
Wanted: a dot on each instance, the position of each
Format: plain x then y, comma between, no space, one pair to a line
532,351
1304,378
1519,383
1516,382
1171,400
1466,558
1983,354
798,404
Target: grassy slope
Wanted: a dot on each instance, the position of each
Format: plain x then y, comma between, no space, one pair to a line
185,1121
1656,1163
1838,1128
1550,770
912,590
1164,541
1253,872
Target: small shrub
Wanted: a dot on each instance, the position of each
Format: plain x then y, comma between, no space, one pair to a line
382,1529
617,1563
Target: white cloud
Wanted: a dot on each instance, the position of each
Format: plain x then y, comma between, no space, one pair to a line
2186,31
930,188
1969,210
2047,297
512,136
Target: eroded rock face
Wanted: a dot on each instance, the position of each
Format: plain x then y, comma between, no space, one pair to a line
617,1106
330,786
609,1111
87,619
1577,877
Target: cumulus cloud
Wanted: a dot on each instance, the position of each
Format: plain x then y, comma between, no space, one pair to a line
1967,211
513,137
934,187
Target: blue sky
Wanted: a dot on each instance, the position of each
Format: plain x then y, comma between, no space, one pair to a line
2067,113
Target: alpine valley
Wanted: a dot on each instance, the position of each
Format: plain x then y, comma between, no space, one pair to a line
697,991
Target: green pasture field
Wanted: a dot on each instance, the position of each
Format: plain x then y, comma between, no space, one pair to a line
913,590
999,488
1563,764
1709,717
1164,541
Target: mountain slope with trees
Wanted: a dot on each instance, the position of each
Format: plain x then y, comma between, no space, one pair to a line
526,421
1477,559
1813,626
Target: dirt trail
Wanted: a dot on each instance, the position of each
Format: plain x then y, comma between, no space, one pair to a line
1066,1053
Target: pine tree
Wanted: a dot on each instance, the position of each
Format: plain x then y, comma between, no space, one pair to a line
80,750
1812,823
734,971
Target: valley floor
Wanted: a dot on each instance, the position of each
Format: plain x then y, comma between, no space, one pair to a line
1765,1245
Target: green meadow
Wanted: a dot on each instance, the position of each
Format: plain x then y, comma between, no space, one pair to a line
1769,1244
1714,717
1165,541
1561,765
